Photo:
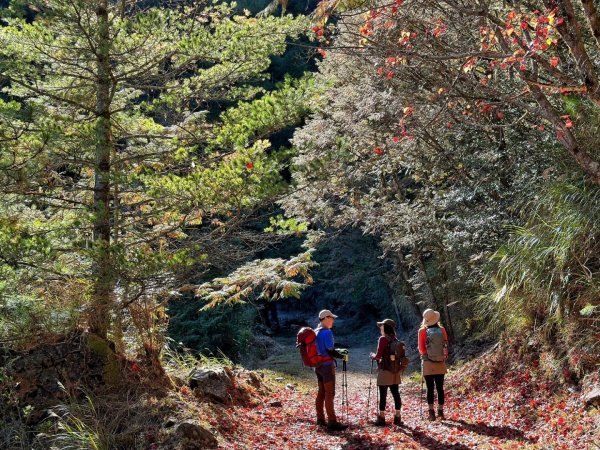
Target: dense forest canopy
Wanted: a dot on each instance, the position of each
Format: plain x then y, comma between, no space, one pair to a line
172,172
458,132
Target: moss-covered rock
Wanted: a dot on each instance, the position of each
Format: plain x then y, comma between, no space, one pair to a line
103,349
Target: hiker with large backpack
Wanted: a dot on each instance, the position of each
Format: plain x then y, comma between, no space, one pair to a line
318,351
433,347
392,361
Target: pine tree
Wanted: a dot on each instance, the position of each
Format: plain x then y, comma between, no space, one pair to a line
111,139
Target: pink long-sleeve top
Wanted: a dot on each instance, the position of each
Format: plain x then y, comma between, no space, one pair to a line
423,339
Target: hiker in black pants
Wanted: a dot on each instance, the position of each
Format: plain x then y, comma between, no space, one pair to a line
433,347
386,378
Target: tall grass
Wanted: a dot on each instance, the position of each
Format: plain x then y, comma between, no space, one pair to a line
548,273
180,361
79,425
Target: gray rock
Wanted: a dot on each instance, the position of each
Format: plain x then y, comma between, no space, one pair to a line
592,398
198,437
214,384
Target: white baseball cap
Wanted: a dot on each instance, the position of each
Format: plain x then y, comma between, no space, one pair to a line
326,313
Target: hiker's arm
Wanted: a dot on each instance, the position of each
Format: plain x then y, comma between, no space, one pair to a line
327,339
380,349
445,343
422,341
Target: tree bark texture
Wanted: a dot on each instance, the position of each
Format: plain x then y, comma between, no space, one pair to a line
102,271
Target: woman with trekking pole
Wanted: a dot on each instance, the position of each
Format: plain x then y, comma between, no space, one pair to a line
433,347
389,371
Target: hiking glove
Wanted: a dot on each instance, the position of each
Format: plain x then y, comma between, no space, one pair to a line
337,352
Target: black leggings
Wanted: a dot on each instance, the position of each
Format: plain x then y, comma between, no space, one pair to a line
438,380
383,395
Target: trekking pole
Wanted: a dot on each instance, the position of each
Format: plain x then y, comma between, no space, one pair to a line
345,388
370,385
421,402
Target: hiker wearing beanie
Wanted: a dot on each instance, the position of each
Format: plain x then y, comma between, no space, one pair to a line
387,377
433,347
325,372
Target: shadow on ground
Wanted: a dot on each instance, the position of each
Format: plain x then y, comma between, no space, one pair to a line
488,430
429,442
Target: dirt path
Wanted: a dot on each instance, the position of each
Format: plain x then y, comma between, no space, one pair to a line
502,417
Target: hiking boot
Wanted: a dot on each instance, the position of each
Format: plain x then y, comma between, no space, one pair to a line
321,422
431,415
397,420
440,414
380,422
336,426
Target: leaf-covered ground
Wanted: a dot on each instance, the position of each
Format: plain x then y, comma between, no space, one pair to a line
512,413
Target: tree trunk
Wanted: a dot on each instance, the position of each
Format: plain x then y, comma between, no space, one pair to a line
592,16
585,160
273,316
434,298
401,267
102,276
423,269
570,31
389,285
447,317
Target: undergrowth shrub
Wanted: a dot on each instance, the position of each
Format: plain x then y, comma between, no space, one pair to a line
547,276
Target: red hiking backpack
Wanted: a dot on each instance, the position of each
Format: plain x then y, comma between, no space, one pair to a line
306,342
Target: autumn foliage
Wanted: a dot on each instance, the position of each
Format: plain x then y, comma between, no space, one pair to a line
487,65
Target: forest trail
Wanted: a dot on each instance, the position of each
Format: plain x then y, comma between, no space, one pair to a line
499,417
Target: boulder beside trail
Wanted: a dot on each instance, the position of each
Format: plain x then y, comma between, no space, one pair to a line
211,383
194,436
224,385
592,398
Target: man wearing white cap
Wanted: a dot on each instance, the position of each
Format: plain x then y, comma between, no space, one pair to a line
326,372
